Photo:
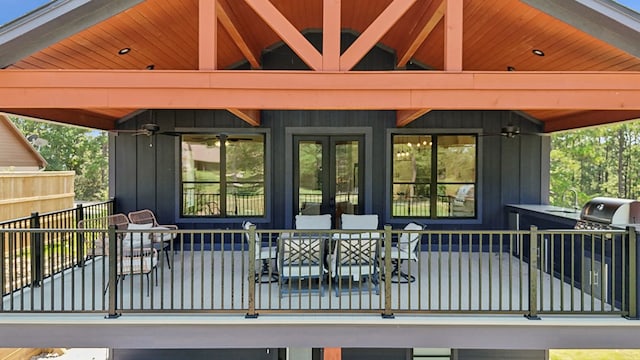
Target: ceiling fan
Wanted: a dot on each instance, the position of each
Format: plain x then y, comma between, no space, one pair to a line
149,129
511,131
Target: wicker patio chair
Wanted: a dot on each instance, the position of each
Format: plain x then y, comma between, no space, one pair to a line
162,240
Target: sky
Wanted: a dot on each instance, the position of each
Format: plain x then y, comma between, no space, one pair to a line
12,9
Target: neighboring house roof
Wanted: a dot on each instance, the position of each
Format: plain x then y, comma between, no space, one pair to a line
576,36
15,151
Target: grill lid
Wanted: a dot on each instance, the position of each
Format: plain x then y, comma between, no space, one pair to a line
606,210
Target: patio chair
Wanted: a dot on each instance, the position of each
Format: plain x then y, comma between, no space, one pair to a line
135,254
405,249
265,254
301,262
355,257
162,240
98,242
355,260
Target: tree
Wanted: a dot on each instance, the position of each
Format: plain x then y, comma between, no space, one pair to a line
596,162
76,149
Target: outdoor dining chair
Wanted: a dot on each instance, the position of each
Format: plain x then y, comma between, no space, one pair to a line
355,257
135,254
405,249
301,263
265,254
161,240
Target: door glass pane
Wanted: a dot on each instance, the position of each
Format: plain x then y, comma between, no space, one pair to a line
310,177
346,181
411,175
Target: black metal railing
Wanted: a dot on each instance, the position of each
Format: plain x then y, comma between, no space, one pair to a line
28,257
533,272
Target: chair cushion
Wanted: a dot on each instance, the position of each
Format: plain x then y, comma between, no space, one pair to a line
313,222
359,222
162,236
137,239
408,241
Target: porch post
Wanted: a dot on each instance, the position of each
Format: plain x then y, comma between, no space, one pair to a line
79,237
112,284
332,354
251,276
533,274
387,314
634,267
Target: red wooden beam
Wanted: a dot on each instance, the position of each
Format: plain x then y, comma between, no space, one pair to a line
368,39
252,117
238,39
287,32
404,117
207,35
589,118
397,90
433,20
331,35
453,35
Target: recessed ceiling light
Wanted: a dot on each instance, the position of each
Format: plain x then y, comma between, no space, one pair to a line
511,68
124,51
537,52
151,67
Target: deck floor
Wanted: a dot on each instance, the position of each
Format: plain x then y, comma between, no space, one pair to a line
218,281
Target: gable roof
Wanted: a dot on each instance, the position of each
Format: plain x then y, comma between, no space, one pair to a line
15,150
575,35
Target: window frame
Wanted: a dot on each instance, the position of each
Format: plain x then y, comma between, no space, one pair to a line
434,133
224,218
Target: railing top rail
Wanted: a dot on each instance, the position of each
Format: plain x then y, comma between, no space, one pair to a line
53,213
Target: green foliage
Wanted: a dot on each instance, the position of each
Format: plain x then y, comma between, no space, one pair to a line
596,162
594,354
76,149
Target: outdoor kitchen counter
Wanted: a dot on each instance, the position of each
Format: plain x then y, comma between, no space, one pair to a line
522,216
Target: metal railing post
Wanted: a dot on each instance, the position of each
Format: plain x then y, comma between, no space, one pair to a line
533,274
79,237
36,250
113,273
634,267
3,238
251,311
387,314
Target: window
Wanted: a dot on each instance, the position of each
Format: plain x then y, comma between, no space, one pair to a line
223,175
434,176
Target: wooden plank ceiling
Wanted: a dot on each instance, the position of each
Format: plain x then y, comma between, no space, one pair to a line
163,35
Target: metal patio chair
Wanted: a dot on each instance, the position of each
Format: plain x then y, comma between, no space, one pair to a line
405,249
265,254
301,262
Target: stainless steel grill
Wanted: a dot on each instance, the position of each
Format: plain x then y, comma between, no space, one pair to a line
607,213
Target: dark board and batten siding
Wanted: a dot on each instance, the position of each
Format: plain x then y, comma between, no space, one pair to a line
512,170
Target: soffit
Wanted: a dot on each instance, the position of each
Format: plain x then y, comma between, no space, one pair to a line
164,33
